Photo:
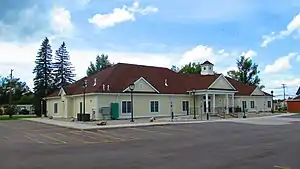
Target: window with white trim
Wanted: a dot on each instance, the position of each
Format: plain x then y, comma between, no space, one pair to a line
185,105
55,107
154,106
252,105
244,103
126,107
269,104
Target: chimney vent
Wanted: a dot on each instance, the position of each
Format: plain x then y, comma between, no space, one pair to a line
166,82
103,87
95,81
108,88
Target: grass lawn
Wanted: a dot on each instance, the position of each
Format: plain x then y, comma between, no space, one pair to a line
16,117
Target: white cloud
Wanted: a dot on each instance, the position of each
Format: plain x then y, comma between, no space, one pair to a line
202,53
21,57
293,26
298,58
61,20
249,54
120,15
280,64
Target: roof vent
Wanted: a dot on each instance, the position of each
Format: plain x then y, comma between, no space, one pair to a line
166,82
103,87
85,83
108,88
95,81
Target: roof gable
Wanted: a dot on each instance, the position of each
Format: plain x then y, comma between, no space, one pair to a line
142,85
257,92
221,83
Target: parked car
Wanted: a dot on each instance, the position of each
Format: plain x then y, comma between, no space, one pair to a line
24,112
282,108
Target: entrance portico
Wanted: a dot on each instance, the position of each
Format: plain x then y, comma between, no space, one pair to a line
213,101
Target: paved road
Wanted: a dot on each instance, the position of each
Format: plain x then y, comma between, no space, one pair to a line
30,145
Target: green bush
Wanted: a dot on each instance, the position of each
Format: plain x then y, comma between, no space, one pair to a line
10,110
1,111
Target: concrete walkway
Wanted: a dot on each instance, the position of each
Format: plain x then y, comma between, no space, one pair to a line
265,120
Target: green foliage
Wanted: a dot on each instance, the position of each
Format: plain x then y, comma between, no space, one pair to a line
63,69
43,80
247,72
10,110
19,89
175,68
1,111
102,62
26,99
191,68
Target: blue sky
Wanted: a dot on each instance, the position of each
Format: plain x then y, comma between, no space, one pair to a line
157,32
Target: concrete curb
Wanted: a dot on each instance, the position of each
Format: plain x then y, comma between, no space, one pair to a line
82,126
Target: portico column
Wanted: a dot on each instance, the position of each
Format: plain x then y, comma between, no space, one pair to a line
232,102
214,103
227,104
206,102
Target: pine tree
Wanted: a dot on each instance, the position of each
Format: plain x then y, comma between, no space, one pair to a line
43,79
63,69
102,62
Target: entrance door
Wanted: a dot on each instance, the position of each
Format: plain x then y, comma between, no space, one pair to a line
204,106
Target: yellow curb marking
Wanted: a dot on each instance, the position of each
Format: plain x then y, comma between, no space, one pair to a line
34,140
78,133
107,136
176,129
52,138
150,131
115,135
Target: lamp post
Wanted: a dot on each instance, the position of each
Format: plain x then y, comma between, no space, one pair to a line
194,93
131,87
84,86
272,108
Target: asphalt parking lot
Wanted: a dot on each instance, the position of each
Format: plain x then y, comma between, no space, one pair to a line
223,145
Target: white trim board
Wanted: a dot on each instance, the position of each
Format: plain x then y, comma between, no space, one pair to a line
221,76
257,89
141,78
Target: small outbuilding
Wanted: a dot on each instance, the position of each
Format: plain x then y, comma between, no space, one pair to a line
293,105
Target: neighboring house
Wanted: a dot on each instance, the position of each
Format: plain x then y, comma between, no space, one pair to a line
293,105
28,107
156,88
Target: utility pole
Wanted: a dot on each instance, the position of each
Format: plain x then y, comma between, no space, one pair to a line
10,87
283,86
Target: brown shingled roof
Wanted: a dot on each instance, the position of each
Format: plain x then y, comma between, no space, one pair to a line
121,75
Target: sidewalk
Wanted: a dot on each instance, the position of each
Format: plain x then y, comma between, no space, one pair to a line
140,122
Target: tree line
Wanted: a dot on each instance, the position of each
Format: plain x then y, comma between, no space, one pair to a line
247,71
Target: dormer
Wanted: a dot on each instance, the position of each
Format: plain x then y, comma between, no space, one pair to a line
207,68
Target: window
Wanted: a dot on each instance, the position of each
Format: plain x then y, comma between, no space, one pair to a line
80,107
185,105
204,97
204,68
126,107
269,104
55,108
252,104
244,104
154,106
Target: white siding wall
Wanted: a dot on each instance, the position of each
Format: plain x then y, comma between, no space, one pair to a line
260,102
71,105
